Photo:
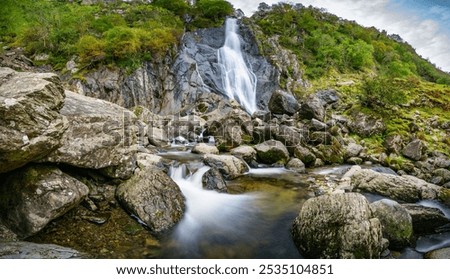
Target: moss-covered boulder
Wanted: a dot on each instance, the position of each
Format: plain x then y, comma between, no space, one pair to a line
271,152
338,226
396,222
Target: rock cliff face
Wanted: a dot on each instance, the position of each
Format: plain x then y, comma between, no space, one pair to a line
178,84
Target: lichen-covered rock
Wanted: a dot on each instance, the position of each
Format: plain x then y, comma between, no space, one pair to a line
203,148
366,125
283,103
245,152
231,130
415,150
393,144
426,219
271,152
100,135
396,222
297,165
305,155
337,226
32,197
30,123
153,197
400,188
291,137
213,180
28,250
313,107
443,253
230,166
352,150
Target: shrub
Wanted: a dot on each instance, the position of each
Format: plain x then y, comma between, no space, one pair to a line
381,91
91,49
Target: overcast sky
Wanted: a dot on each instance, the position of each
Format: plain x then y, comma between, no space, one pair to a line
425,24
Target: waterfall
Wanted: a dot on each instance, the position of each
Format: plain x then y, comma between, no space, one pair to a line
238,80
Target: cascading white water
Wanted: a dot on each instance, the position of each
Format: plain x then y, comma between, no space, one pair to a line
208,210
238,80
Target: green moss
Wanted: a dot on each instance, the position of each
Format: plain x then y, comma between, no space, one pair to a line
444,196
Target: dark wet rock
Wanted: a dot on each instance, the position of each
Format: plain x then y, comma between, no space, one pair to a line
213,180
230,166
415,150
153,197
32,197
283,103
297,165
317,138
203,148
365,125
245,152
271,152
396,222
338,226
101,135
265,116
263,133
6,234
328,96
28,250
443,253
231,130
393,144
313,107
30,123
426,219
98,219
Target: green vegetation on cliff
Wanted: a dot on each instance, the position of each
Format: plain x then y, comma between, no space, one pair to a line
117,33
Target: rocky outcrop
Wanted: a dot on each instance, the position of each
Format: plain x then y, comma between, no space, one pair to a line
415,150
30,123
154,198
400,188
396,222
366,125
36,195
231,130
229,166
101,135
28,250
283,103
271,152
203,148
426,219
213,180
337,226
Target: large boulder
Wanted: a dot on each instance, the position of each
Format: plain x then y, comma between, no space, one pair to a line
271,152
338,226
296,165
229,166
283,103
30,123
400,188
203,148
443,253
352,150
231,130
32,197
245,152
28,250
426,219
101,135
415,150
153,197
305,155
396,222
313,107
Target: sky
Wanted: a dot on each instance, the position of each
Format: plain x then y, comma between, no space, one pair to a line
425,24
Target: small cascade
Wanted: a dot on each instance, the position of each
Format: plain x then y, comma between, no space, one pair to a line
238,80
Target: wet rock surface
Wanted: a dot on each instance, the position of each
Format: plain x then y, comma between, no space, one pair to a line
28,250
231,167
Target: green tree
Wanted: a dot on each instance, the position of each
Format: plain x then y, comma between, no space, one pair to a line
381,91
178,7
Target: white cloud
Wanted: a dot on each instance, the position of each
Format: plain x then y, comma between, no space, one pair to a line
425,35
